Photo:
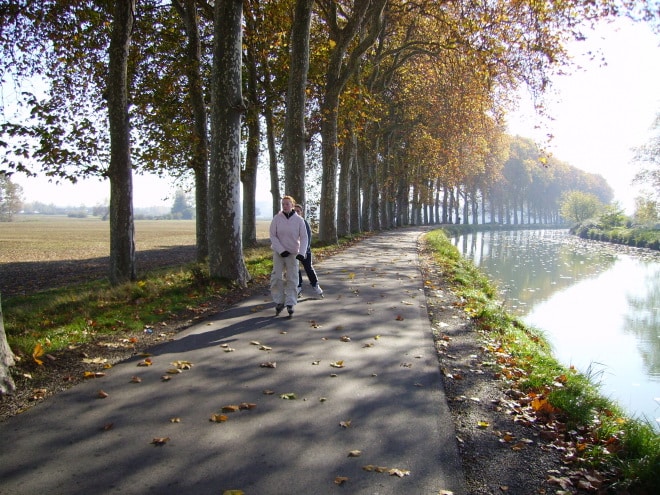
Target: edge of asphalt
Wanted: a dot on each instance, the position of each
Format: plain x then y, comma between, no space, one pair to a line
345,396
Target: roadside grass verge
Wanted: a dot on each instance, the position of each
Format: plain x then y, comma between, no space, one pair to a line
56,319
592,430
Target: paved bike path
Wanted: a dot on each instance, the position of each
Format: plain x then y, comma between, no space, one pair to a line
360,363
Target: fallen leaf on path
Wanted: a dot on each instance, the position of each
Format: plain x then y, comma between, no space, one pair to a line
93,374
96,360
265,348
160,440
136,379
218,418
230,408
345,338
175,420
255,342
270,364
268,392
246,406
345,424
101,394
337,364
399,318
289,396
340,480
182,365
355,453
399,472
146,362
107,426
233,492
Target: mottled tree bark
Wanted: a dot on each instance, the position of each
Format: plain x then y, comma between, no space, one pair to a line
294,126
225,242
120,173
7,385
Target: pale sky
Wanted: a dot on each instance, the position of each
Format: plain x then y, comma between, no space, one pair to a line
599,115
602,112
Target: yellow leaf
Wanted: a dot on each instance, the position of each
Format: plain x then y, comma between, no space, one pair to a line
231,408
483,424
340,480
175,420
337,364
218,418
37,352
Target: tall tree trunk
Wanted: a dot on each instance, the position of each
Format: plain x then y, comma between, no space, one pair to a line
120,173
7,385
366,18
355,184
294,126
344,196
270,139
225,243
276,197
330,160
200,159
249,173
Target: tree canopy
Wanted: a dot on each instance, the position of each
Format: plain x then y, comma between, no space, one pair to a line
398,107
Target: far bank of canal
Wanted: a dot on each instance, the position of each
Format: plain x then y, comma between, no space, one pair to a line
597,303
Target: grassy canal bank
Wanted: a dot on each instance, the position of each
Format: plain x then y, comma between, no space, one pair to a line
566,405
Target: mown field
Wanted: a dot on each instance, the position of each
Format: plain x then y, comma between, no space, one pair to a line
58,238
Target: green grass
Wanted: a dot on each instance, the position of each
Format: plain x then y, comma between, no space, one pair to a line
627,449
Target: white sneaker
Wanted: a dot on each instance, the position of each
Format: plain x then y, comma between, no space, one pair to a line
318,290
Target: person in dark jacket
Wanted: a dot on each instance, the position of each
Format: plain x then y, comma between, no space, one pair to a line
307,262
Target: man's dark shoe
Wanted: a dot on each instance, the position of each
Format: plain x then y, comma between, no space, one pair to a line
278,309
290,310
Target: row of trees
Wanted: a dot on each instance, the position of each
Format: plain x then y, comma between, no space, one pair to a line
395,105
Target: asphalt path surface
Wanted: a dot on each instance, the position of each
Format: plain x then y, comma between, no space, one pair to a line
344,397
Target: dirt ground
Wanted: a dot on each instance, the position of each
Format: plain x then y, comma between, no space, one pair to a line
500,452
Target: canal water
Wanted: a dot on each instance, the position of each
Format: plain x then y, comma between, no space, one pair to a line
598,304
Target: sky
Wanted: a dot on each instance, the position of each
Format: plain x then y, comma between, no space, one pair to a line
598,113
603,111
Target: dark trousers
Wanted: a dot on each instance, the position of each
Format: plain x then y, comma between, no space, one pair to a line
309,270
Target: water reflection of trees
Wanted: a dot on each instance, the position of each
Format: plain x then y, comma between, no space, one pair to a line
644,323
531,265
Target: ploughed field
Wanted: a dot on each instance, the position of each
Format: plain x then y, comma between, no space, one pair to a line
39,252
